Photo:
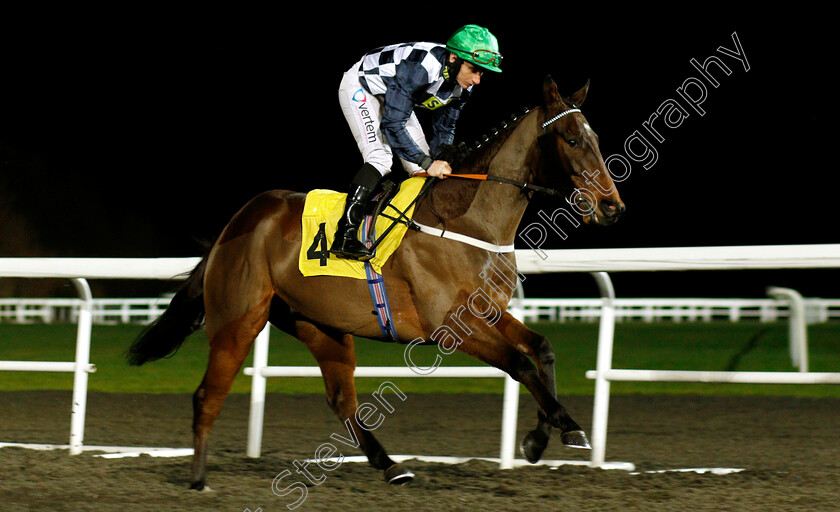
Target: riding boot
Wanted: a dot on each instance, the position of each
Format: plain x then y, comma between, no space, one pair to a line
347,243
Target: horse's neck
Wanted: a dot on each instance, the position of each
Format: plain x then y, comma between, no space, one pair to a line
497,208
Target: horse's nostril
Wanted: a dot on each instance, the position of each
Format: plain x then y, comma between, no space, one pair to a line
611,208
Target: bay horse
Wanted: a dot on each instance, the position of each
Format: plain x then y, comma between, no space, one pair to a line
250,276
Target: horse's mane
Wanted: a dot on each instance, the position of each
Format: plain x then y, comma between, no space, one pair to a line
451,198
476,156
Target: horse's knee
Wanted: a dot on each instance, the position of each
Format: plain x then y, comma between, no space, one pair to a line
199,395
341,404
333,400
523,369
545,352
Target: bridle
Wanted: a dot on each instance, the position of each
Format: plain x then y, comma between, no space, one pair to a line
524,186
558,116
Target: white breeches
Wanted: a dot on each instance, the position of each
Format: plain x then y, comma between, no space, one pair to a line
363,113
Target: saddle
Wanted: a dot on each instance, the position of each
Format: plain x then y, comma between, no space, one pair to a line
386,221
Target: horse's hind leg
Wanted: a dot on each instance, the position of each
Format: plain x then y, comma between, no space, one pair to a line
230,344
337,361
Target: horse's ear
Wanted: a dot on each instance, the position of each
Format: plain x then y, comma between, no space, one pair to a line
550,93
578,97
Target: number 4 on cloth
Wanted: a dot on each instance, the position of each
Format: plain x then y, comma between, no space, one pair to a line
318,250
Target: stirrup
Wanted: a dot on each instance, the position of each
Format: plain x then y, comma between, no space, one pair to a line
344,248
347,255
355,256
346,243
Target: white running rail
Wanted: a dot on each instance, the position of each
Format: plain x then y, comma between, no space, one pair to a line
78,271
112,311
595,261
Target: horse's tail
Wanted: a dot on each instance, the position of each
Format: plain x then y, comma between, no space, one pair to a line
183,316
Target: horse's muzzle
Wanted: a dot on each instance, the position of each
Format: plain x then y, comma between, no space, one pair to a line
609,211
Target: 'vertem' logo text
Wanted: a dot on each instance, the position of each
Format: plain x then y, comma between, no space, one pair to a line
368,124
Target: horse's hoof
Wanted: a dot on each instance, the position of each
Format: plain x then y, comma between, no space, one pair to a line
200,487
575,439
533,446
398,475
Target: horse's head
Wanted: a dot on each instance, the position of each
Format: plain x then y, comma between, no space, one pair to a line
569,143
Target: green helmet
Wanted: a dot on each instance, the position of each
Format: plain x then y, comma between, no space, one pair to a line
477,45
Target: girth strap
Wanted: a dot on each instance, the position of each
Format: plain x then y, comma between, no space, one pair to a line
481,244
378,295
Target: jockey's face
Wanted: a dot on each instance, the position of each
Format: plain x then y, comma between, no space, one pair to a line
469,74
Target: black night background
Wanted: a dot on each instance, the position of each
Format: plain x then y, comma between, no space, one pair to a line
138,137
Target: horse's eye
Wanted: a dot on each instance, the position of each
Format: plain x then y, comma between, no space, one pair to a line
572,143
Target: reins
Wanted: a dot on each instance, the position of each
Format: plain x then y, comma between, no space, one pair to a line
402,218
522,185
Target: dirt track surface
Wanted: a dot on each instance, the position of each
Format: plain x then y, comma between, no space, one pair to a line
788,449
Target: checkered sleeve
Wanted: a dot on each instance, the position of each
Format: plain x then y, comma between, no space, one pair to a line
399,105
443,123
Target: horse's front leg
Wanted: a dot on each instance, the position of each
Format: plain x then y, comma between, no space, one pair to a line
508,347
538,347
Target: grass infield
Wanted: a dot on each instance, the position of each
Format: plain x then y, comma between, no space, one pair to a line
715,346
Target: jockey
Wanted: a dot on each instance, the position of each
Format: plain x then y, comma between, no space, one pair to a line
378,95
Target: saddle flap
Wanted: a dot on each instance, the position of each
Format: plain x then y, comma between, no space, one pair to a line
321,212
